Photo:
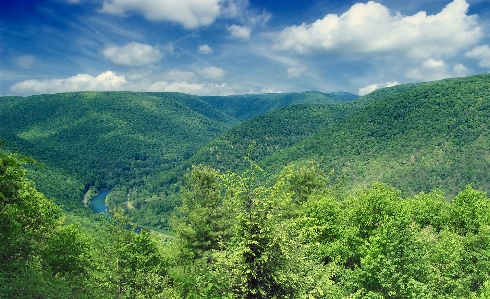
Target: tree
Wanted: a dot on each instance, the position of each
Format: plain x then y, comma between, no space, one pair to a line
27,221
204,219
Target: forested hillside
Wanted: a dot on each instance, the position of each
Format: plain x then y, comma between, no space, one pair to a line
417,138
107,138
271,133
243,107
411,136
278,130
118,140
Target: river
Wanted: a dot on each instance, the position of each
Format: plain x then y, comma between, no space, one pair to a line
97,203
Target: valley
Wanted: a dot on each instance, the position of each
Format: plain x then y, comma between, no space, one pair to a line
300,195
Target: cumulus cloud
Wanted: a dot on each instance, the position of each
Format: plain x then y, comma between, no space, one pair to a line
205,49
189,13
239,32
212,73
433,69
25,61
132,55
481,53
207,81
80,82
294,72
370,88
372,28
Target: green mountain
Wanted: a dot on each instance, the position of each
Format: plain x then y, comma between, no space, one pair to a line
121,139
282,128
270,133
243,107
104,139
416,137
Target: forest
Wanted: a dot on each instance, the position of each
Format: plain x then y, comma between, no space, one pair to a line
301,237
307,195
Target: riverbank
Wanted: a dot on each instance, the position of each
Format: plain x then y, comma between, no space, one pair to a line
85,198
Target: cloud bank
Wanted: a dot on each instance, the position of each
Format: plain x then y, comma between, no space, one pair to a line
433,69
372,28
81,82
204,81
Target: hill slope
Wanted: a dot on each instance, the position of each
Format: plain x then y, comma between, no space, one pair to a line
244,107
109,138
278,130
430,135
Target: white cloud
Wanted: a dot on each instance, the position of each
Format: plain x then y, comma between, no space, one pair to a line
132,55
270,90
238,9
295,72
205,49
432,64
372,28
25,61
189,13
370,88
212,73
80,82
174,80
234,8
239,32
481,53
391,84
433,69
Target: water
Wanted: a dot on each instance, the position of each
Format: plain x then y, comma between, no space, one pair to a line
97,203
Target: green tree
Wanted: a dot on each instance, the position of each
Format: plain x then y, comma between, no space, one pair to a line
204,219
34,256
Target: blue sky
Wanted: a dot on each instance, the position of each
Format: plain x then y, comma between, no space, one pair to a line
213,47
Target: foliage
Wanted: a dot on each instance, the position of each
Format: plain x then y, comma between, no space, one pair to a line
245,107
416,137
237,237
105,139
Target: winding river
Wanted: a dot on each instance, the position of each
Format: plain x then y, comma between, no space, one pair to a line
97,203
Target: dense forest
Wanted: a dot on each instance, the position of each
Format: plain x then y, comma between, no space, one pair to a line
132,143
301,237
308,195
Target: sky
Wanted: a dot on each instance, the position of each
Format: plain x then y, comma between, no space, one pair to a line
224,47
